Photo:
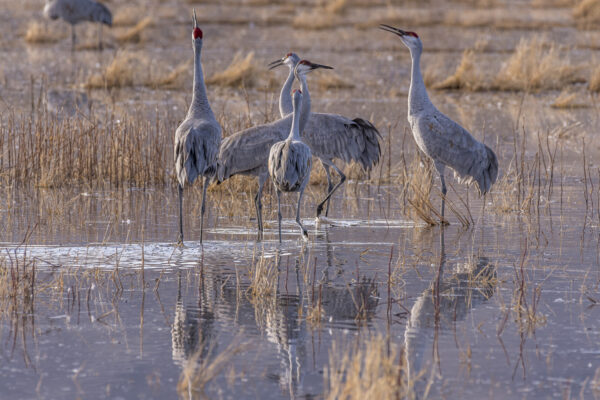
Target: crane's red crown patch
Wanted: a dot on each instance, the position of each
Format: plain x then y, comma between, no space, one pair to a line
197,33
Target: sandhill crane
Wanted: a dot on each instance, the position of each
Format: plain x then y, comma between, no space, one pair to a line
76,11
332,136
290,162
198,138
247,152
441,139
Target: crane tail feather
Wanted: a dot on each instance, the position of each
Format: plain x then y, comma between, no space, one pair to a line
372,150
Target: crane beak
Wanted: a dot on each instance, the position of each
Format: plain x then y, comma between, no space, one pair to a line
276,63
195,20
388,28
316,66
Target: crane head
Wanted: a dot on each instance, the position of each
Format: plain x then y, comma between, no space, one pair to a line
290,59
197,31
305,66
410,39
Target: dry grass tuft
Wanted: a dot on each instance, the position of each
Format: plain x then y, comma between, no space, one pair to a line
38,33
466,75
594,84
587,12
201,369
128,15
242,72
123,71
330,80
175,79
336,6
325,17
568,99
134,34
420,185
369,372
535,65
48,152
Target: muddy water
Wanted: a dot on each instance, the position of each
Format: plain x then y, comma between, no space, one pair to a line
95,331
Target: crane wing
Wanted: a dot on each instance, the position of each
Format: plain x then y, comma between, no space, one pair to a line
332,136
452,145
248,150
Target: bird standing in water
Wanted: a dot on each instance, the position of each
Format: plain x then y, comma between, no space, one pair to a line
444,141
197,139
290,162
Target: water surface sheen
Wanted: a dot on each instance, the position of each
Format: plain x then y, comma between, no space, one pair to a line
93,330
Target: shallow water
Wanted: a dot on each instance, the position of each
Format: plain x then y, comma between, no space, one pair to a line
506,308
93,330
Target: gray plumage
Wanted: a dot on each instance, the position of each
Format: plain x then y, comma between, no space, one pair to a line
290,163
76,11
198,138
332,136
247,152
447,143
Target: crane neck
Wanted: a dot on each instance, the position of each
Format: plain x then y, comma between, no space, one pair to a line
200,107
418,100
285,98
305,109
295,129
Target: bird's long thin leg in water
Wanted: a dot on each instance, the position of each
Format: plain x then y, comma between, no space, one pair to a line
262,178
180,191
304,233
202,208
342,180
440,168
329,186
279,211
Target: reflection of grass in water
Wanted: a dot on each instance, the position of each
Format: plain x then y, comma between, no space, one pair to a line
199,371
367,371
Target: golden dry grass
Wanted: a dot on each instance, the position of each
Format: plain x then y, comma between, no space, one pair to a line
134,34
336,6
318,18
38,32
176,79
242,72
535,65
568,99
126,69
466,76
587,12
365,372
594,84
330,80
200,370
129,15
52,153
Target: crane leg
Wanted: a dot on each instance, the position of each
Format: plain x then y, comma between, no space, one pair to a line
180,191
342,180
329,186
279,211
100,37
73,37
304,232
262,178
202,208
440,168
